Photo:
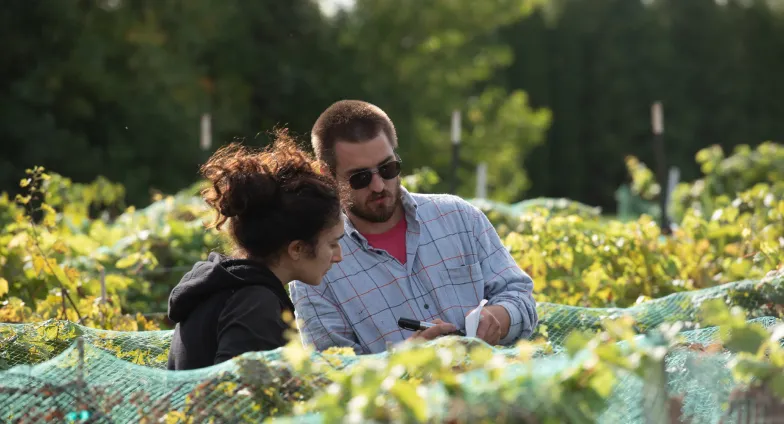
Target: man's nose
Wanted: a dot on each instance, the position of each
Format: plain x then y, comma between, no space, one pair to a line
377,183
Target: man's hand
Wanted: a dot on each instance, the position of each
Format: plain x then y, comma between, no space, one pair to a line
493,324
441,328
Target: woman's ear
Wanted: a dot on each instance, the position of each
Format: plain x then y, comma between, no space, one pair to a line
324,169
295,250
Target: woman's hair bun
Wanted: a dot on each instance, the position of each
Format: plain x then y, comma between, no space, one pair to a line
247,181
247,190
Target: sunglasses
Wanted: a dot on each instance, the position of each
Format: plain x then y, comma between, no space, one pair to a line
362,179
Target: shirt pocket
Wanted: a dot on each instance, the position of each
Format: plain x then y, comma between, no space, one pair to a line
463,286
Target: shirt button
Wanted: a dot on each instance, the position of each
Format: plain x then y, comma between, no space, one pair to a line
427,306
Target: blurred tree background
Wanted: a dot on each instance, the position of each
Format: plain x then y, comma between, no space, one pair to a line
554,93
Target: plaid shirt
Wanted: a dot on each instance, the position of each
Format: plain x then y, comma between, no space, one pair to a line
454,259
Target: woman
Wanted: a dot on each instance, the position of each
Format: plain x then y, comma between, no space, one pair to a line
284,221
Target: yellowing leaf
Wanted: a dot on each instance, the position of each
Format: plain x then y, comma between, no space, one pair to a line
3,286
55,269
481,354
603,382
406,394
50,215
340,350
128,261
59,246
71,273
732,249
39,264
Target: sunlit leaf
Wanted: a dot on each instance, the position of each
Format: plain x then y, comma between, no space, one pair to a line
406,394
128,261
39,264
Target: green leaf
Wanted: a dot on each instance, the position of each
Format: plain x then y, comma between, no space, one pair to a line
49,332
575,342
749,339
715,312
776,384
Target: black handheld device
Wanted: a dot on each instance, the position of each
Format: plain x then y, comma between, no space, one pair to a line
416,325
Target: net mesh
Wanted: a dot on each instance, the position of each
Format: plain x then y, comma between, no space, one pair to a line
59,371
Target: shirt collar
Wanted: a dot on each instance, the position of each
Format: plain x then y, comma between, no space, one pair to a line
409,211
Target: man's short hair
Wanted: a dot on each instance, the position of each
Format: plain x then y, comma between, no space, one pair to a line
352,121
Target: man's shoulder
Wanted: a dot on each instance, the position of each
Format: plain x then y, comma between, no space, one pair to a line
299,287
440,203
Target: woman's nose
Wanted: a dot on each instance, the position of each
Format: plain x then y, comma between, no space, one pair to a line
338,256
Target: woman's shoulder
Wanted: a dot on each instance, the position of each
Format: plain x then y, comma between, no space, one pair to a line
254,306
254,297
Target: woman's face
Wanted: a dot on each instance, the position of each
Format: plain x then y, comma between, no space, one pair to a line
313,268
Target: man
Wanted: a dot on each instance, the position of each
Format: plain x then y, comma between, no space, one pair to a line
427,257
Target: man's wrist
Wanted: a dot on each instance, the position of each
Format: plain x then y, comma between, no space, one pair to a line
502,315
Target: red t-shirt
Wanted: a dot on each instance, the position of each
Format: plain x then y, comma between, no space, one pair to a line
393,241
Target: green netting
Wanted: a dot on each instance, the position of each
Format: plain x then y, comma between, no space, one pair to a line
554,204
37,342
70,372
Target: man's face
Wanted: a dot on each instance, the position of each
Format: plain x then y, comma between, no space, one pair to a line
378,200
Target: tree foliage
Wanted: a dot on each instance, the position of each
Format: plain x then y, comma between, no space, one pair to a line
554,94
598,65
117,89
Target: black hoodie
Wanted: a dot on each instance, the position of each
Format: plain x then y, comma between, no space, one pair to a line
223,308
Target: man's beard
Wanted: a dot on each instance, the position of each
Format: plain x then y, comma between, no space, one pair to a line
376,214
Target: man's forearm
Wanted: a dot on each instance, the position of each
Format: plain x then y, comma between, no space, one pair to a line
506,285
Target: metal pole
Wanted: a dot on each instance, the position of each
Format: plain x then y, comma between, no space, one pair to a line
481,180
455,149
657,123
103,285
205,139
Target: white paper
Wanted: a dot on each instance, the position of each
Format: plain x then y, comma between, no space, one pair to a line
472,320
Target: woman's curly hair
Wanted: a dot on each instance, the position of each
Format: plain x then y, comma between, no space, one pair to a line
270,197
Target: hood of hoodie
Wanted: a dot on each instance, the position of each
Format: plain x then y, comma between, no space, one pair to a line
216,274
